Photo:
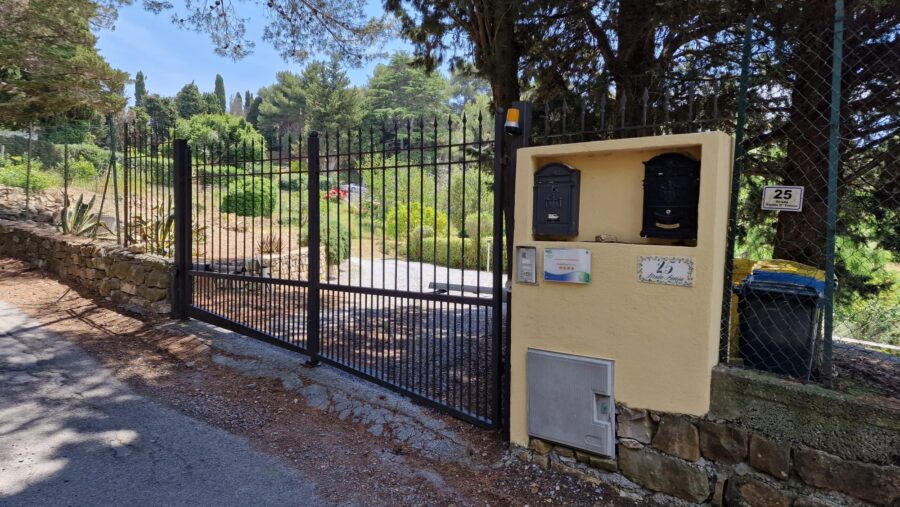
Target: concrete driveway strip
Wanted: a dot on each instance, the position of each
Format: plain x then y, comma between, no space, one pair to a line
71,434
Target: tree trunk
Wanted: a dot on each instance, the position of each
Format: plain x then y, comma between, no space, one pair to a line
498,57
800,236
635,68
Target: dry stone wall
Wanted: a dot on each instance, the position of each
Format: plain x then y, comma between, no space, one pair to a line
676,459
136,281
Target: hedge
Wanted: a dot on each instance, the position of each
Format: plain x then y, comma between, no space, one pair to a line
435,251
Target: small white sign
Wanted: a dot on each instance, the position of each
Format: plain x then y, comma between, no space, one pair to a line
526,264
666,270
570,265
782,198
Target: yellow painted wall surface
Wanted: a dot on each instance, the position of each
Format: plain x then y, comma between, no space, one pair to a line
663,338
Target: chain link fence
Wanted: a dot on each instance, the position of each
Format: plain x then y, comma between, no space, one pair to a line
816,195
63,172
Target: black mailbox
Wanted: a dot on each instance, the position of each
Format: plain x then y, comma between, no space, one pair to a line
671,194
556,192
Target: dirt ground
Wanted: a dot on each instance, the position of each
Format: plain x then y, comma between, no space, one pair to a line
349,465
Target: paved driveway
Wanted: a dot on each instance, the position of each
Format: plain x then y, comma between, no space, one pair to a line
71,434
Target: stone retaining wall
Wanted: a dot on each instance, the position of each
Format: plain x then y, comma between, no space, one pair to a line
43,206
139,282
780,450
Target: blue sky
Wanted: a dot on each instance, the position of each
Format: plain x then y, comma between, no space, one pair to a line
171,57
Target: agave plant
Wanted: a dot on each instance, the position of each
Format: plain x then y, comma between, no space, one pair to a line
157,233
270,244
79,221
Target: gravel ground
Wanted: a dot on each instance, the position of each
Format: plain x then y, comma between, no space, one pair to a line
398,274
346,463
71,434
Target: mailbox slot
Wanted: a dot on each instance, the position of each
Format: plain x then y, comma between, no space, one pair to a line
671,196
557,189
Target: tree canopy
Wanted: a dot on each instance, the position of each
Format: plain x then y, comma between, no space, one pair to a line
49,62
297,30
189,101
281,106
400,90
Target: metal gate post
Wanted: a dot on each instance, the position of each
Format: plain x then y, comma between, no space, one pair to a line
736,171
181,296
507,146
498,416
314,237
834,158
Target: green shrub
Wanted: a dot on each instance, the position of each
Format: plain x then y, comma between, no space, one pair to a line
249,197
296,179
336,241
15,175
403,218
82,170
486,224
435,251
294,211
221,137
218,174
97,156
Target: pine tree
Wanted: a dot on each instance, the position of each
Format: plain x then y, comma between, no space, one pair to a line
248,99
220,93
140,89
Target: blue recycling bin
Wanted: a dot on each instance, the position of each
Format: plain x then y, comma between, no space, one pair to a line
779,321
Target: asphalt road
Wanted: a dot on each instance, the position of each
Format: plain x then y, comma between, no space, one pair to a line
71,434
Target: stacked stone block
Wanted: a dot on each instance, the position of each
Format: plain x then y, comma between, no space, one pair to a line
677,459
136,281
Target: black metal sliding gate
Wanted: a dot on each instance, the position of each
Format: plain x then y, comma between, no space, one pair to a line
371,250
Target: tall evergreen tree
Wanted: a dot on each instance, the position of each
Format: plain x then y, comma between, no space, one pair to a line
401,91
253,112
189,102
221,97
49,62
140,89
331,103
248,99
282,106
211,104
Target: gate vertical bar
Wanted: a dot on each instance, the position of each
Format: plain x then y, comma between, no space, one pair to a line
126,196
738,159
834,155
497,416
181,297
315,235
111,125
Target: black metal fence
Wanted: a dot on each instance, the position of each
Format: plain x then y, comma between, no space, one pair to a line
408,236
372,250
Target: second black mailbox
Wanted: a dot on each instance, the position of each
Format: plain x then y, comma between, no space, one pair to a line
557,189
671,195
